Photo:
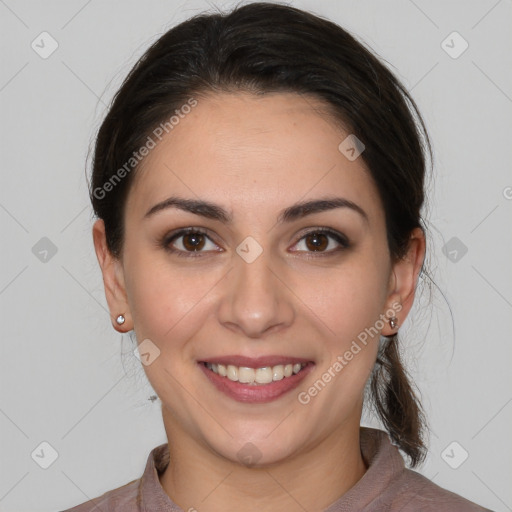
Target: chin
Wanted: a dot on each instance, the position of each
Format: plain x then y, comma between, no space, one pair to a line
256,452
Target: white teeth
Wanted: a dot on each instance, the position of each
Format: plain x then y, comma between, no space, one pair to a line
232,372
278,372
263,375
245,375
255,376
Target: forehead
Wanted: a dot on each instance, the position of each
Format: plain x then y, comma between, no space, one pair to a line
258,152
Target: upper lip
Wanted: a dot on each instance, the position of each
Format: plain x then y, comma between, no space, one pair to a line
254,362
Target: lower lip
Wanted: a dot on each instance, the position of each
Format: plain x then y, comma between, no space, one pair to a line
260,393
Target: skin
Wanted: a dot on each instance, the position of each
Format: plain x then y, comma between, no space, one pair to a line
255,156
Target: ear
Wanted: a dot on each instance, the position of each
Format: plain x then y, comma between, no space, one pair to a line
113,279
404,278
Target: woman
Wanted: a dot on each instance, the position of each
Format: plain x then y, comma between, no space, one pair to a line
258,183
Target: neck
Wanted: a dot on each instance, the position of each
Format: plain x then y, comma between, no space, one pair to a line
198,479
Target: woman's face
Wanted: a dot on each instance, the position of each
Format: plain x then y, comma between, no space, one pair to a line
259,286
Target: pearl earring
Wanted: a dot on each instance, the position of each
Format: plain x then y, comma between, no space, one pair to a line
120,320
393,322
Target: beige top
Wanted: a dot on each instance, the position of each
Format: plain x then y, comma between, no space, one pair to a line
387,485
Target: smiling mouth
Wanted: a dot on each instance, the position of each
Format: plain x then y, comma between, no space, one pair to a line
256,376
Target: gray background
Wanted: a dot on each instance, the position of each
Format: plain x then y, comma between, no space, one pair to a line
64,378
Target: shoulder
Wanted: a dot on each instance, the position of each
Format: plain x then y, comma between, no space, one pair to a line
412,492
122,498
130,497
388,485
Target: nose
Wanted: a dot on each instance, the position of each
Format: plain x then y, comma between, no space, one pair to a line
256,300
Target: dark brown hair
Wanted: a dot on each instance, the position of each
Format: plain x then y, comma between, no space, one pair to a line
267,47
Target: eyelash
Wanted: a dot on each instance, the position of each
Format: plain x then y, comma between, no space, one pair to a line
168,239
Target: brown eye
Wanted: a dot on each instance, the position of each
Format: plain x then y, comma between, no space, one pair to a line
316,241
323,240
193,241
189,242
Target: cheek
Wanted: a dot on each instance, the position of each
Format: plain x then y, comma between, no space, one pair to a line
169,309
347,299
168,302
349,307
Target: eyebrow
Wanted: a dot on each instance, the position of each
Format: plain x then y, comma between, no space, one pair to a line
290,214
